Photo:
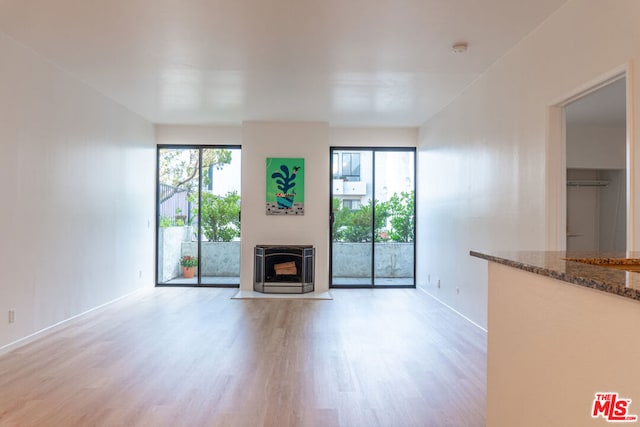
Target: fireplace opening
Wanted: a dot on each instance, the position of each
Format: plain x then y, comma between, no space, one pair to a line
284,269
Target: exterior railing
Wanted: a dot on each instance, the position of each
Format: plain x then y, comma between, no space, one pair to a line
176,206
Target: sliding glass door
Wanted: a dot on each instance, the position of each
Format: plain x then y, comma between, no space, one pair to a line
372,217
198,216
394,215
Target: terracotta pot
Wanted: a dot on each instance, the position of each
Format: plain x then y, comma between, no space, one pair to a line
188,272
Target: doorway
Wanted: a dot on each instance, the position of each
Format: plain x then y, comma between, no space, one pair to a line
198,216
372,212
596,170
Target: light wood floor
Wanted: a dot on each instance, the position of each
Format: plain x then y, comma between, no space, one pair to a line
194,357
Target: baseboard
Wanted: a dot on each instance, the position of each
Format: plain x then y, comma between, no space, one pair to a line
452,309
55,327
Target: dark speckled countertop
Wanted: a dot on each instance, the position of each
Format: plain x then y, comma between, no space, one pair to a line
554,264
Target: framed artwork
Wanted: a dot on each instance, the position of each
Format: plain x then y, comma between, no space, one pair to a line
285,186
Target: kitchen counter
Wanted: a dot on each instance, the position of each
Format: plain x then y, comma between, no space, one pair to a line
555,265
560,332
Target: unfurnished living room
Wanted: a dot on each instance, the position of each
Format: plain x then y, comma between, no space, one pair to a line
319,213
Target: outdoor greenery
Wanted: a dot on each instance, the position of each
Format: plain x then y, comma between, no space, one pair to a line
179,168
189,261
394,220
176,221
166,221
354,225
220,216
402,218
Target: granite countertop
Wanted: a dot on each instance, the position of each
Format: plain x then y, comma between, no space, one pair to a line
555,265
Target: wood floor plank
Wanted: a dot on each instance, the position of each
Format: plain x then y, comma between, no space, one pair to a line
194,357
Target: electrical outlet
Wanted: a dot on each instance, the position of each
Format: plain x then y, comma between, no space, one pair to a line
458,291
12,316
438,283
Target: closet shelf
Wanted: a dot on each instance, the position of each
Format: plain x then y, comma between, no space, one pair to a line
587,183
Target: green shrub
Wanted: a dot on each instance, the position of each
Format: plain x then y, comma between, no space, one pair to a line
402,217
394,220
165,222
220,218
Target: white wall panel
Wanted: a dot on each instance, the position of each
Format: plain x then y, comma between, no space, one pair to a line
482,160
77,173
285,139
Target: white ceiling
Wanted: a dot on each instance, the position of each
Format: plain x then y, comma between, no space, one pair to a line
348,62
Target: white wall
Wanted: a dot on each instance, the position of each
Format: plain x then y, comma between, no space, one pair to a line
482,159
198,135
77,173
306,140
374,137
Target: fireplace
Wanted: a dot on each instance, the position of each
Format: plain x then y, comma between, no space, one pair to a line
284,269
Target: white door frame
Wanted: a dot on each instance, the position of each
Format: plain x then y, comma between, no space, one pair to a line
556,169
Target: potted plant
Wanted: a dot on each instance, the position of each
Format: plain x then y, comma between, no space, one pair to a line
189,264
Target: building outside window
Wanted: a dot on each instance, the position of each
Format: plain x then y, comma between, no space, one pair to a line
351,166
352,204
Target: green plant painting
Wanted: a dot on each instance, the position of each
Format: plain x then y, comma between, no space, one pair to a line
285,186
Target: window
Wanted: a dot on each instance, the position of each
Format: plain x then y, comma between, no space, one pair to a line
352,204
373,217
351,166
198,215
